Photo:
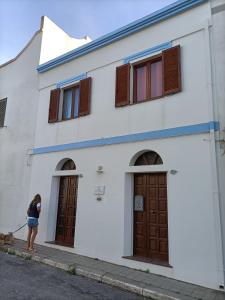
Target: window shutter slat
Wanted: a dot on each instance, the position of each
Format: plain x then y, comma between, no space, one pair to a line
171,70
85,96
54,105
2,111
122,85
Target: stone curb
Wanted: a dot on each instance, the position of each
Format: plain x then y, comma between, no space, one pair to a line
89,273
93,274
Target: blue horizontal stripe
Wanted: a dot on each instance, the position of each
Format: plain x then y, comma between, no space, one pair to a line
149,51
156,17
143,136
71,80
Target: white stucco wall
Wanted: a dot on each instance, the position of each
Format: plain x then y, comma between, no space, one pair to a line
102,226
217,39
189,107
55,41
18,83
104,229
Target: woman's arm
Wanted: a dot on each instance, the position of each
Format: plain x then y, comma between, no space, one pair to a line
39,207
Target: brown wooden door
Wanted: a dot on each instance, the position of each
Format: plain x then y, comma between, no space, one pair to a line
151,225
66,216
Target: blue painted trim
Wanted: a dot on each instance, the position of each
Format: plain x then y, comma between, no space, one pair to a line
156,17
143,136
214,126
71,80
149,51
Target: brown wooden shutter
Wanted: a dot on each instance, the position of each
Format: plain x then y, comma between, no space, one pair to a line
171,70
54,105
122,85
85,96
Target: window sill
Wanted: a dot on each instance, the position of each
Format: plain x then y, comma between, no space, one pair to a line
146,100
61,121
148,260
64,120
142,101
69,119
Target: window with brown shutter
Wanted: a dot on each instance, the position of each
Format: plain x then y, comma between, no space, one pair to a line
85,95
171,70
122,85
74,103
53,105
153,78
2,111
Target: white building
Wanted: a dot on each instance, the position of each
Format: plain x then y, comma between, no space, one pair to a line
18,111
128,146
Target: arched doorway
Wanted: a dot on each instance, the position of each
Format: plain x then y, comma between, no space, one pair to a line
150,225
67,205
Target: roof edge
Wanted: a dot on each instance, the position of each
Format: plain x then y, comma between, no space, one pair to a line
156,17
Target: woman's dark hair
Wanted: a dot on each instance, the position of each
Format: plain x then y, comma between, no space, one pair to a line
36,199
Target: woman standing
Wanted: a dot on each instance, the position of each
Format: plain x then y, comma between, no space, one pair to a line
33,213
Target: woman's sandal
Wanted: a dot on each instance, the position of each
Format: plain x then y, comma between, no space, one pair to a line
31,250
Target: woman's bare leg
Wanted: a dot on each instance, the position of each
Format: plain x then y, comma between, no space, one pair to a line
28,237
33,236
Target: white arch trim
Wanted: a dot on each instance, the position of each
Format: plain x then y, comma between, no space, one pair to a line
61,163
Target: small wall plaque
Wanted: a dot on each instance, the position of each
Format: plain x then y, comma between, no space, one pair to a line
138,203
99,190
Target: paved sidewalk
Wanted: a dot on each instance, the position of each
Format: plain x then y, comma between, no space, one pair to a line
146,284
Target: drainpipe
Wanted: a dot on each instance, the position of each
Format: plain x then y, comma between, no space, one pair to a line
214,166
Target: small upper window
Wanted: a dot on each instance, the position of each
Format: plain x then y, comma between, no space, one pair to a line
147,81
2,111
71,98
148,158
156,77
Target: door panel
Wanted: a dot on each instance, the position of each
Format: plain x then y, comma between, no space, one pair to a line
66,217
151,225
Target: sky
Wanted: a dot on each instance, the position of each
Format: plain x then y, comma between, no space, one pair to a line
20,19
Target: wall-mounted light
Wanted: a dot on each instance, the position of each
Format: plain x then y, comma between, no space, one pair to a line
100,169
173,172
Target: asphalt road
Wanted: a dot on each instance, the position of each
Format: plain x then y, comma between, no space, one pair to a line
28,280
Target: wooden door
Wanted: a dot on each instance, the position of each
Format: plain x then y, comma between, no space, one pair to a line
66,216
151,225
